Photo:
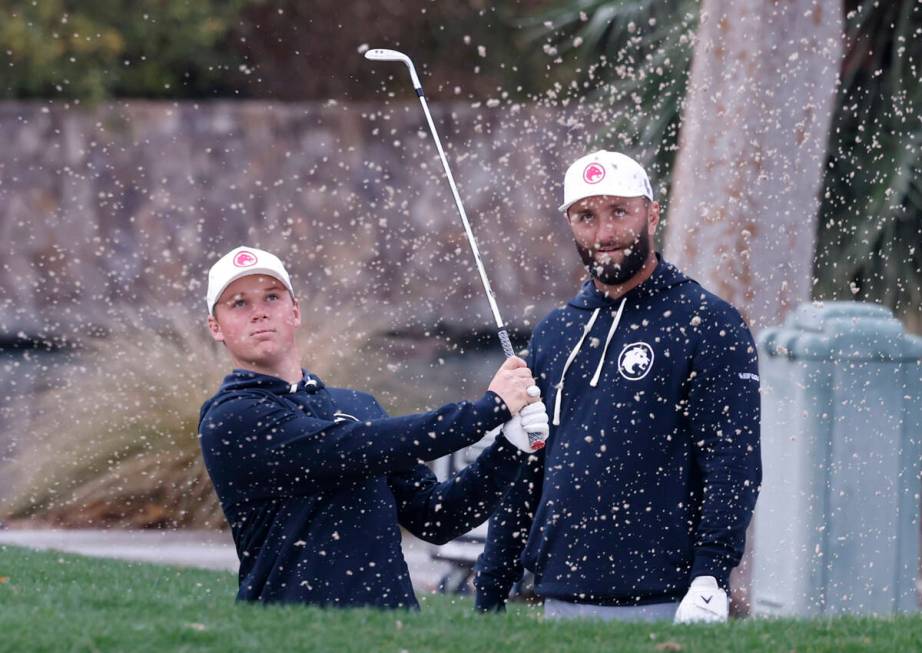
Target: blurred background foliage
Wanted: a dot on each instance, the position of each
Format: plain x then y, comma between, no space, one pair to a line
628,58
466,49
281,49
98,49
133,459
870,223
635,61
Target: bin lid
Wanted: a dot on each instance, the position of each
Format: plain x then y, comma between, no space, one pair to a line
841,330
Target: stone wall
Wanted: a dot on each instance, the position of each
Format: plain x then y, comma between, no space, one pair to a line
127,204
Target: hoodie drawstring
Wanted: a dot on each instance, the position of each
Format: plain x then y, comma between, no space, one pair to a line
598,372
611,333
566,365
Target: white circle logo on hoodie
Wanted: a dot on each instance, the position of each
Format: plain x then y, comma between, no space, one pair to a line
635,361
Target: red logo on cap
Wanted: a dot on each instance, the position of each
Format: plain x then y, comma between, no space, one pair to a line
594,173
245,259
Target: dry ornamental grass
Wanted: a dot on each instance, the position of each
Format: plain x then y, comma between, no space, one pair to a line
114,444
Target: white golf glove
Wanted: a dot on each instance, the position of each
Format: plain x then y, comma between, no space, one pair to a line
531,419
705,602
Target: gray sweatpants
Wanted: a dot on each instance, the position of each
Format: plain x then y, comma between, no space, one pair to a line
554,609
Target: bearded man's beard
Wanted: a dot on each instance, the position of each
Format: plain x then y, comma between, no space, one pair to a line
611,273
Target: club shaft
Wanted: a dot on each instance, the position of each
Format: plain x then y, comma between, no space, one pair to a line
533,438
504,337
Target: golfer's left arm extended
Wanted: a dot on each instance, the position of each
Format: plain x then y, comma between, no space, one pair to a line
439,512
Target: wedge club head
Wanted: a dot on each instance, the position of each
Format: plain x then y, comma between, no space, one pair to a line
383,54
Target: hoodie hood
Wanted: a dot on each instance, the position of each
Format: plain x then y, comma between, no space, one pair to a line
240,379
665,275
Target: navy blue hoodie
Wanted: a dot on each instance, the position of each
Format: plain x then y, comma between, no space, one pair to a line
652,466
314,481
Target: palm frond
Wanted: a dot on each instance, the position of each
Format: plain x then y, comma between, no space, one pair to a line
634,58
870,226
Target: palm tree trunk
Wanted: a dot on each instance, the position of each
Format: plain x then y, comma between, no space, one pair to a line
750,165
752,148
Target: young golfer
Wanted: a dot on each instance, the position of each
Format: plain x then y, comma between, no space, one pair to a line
315,481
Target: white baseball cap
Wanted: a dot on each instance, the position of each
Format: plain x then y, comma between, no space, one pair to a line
241,262
604,173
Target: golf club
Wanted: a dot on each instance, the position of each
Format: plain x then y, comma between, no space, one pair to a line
382,54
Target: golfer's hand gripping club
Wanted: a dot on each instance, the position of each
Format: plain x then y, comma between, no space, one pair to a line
383,54
512,383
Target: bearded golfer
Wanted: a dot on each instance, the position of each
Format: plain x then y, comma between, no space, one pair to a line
315,482
637,507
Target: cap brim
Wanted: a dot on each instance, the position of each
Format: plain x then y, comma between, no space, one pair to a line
567,205
246,272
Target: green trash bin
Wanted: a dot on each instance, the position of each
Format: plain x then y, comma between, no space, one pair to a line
837,521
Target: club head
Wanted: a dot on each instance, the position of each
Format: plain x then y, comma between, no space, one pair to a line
383,54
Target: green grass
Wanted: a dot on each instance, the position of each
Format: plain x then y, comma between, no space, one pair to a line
56,602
